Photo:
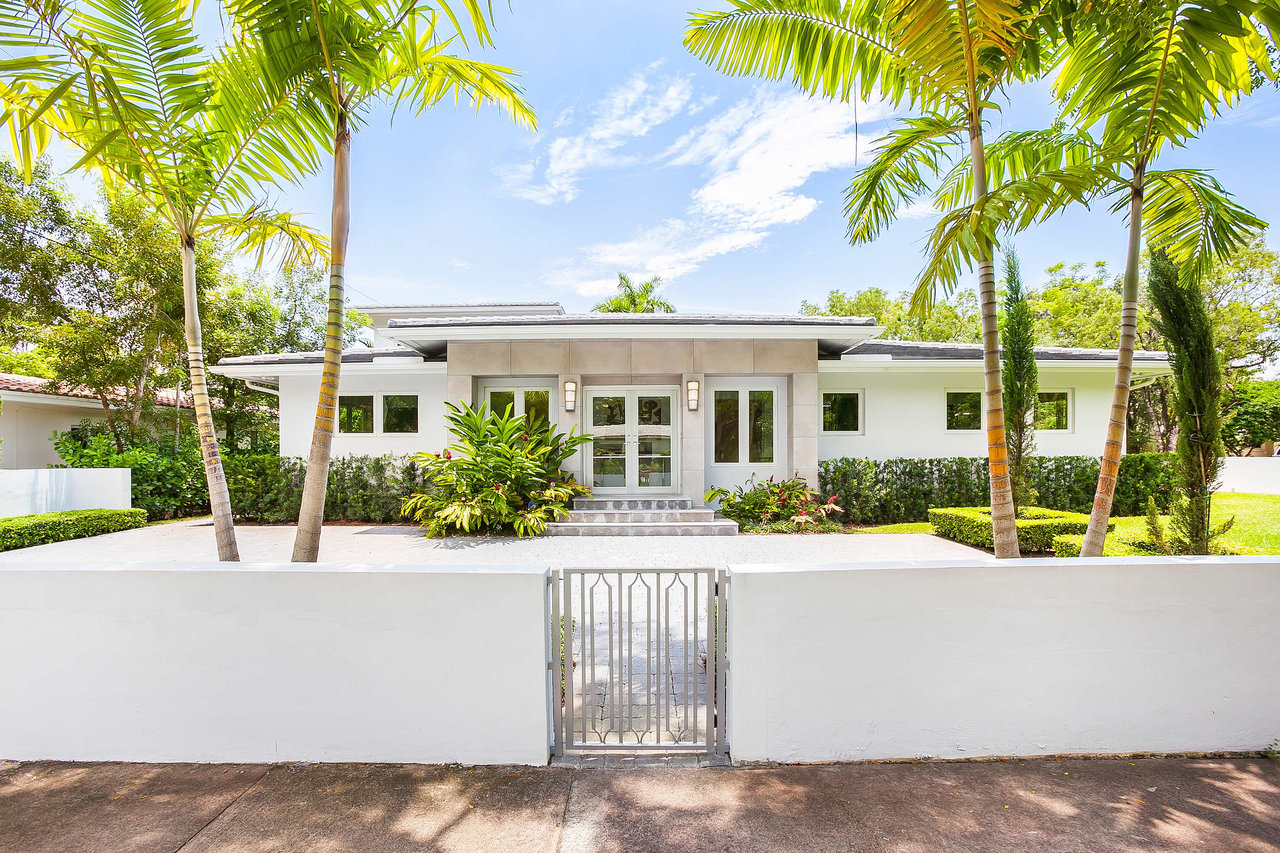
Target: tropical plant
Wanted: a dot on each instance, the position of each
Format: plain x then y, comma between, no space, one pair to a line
1197,380
197,135
952,320
632,299
1021,379
500,474
949,60
773,504
355,55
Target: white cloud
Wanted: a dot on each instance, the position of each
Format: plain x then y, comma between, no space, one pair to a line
627,113
757,156
920,209
459,264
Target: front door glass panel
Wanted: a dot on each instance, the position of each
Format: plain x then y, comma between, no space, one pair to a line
633,440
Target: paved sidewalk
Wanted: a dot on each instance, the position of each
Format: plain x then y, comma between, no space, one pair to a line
1072,805
192,541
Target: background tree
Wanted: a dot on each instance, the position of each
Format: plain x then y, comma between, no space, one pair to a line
1021,379
953,320
632,299
1254,419
195,133
356,54
1184,321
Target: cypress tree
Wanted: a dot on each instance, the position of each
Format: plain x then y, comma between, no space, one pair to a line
1021,380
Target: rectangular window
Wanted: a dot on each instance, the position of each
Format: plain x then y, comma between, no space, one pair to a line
355,414
841,412
760,423
400,413
1053,410
726,435
500,401
964,410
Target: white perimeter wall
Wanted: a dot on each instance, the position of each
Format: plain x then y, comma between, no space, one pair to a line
273,663
1031,657
26,492
298,395
904,413
1254,475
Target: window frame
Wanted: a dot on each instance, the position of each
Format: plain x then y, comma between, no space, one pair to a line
379,412
862,411
373,414
744,387
381,420
519,385
1071,411
982,412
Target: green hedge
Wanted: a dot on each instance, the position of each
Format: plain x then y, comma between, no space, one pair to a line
268,488
1070,545
24,531
904,490
1037,527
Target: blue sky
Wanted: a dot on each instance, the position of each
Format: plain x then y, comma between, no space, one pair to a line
649,162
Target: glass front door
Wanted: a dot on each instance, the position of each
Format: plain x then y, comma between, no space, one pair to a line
635,434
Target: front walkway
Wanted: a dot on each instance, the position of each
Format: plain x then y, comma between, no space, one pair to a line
1119,806
191,541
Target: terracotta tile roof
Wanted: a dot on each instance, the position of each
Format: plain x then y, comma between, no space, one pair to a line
36,385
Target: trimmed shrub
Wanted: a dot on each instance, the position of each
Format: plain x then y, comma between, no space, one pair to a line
775,506
25,531
268,489
1037,526
904,490
1070,545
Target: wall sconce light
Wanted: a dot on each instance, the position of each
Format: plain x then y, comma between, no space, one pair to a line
570,395
692,390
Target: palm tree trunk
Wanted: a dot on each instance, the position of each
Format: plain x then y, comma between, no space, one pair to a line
219,498
1109,470
306,545
1003,517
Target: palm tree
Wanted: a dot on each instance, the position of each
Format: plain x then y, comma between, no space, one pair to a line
1152,82
635,300
197,136
357,54
948,59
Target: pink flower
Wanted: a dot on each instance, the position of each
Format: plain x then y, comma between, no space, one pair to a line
447,455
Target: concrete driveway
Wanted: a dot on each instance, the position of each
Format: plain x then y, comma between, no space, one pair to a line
1123,806
192,541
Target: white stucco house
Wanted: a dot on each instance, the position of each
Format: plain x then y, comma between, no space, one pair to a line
678,402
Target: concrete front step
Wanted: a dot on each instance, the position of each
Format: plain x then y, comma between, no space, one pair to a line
592,516
718,527
636,504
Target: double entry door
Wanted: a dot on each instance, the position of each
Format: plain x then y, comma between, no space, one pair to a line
635,435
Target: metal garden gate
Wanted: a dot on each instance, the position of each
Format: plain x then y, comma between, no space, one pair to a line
640,660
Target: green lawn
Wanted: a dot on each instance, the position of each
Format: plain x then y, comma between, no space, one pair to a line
1256,530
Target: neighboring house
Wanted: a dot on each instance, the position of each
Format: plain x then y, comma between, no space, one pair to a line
679,402
31,409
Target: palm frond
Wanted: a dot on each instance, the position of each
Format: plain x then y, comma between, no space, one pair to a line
263,232
1189,215
904,160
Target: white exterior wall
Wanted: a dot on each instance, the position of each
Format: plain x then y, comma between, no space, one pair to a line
1253,475
27,492
252,663
834,663
26,430
904,412
299,392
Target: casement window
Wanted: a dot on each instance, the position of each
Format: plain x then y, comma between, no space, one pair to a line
355,413
842,411
400,413
964,410
1053,411
532,401
744,422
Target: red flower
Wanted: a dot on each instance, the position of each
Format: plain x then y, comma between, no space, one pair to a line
447,455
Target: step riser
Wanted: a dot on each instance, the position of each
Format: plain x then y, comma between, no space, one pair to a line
704,529
673,516
631,504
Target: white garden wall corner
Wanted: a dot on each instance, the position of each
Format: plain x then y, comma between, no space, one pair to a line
250,663
1252,475
27,491
838,663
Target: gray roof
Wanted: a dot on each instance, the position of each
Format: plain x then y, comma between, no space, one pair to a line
929,350
350,356
603,319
